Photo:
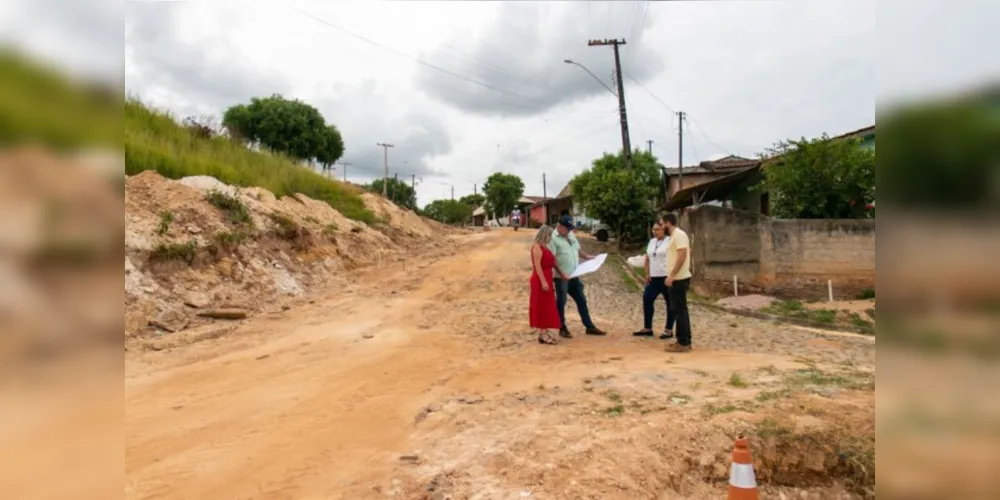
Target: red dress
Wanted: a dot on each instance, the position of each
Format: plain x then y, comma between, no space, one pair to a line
542,311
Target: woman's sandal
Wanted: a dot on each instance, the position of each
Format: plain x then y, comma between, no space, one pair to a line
546,338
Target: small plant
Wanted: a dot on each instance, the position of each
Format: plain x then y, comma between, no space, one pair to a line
615,411
765,396
770,427
175,251
867,294
312,219
862,325
285,227
613,395
166,218
711,410
227,240
234,208
825,316
736,380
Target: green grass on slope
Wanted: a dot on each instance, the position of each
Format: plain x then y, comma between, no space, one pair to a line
37,103
154,141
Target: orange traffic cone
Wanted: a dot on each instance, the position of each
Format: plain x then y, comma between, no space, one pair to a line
742,482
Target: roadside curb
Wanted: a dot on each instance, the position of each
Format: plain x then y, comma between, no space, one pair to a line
754,314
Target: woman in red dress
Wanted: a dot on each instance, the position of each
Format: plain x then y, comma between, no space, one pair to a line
542,311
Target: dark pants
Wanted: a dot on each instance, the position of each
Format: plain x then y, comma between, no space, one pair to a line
656,288
573,288
679,307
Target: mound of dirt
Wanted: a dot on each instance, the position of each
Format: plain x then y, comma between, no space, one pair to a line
399,217
197,244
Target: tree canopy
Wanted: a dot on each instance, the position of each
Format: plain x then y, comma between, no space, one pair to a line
473,201
400,192
624,198
288,126
502,192
448,211
820,178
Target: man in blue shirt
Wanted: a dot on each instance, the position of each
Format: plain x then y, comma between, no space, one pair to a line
566,249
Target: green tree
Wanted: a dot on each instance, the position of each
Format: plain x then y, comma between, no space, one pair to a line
624,198
820,179
289,126
502,192
473,201
400,192
448,211
332,149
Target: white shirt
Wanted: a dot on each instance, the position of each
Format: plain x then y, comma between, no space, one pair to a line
656,251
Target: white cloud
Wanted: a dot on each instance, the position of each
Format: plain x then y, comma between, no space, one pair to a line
747,73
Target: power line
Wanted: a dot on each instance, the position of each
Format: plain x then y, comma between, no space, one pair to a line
709,139
414,59
651,94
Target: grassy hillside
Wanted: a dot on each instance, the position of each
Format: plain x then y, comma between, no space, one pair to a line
39,104
154,141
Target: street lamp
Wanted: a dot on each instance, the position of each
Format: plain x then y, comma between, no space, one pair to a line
570,61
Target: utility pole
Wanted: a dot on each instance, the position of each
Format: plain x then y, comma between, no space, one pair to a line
650,144
385,177
626,143
396,178
680,150
475,189
545,199
452,192
413,182
345,165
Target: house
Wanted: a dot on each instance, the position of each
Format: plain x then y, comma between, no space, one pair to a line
479,217
550,209
705,171
732,181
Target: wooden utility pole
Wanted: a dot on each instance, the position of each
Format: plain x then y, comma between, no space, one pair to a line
385,176
545,199
626,143
649,143
396,178
413,182
452,192
680,150
345,165
475,189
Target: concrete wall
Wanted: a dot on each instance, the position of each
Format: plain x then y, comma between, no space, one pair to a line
786,258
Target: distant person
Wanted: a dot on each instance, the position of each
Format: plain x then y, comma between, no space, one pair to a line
543,314
656,284
515,218
566,249
678,281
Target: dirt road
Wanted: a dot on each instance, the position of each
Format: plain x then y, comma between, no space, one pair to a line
421,380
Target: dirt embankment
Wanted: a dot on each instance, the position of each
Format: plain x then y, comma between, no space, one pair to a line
198,248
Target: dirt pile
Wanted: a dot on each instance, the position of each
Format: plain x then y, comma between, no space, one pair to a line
196,245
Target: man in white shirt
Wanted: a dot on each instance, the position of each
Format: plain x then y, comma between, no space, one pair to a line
679,281
656,283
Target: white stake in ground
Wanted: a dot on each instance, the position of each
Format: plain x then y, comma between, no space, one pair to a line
736,286
829,289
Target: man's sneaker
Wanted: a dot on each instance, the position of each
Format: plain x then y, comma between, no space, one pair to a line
643,333
675,347
564,333
596,331
666,335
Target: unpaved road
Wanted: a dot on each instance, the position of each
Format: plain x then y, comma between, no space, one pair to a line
431,357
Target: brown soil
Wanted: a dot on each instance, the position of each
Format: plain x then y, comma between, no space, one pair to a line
294,246
420,380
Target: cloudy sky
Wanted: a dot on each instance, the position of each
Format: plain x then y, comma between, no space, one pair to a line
464,89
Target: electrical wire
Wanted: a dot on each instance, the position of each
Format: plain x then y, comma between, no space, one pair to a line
417,60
